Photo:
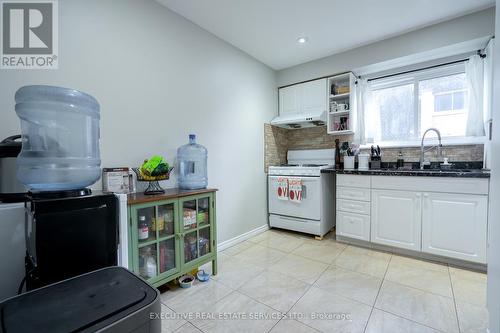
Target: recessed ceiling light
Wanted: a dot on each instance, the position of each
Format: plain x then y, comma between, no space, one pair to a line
302,40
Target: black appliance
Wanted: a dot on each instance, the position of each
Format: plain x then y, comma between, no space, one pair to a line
107,300
69,233
11,190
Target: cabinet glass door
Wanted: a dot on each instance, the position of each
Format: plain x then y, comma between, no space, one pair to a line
146,231
155,253
166,260
189,215
148,267
190,246
204,241
165,220
203,211
196,214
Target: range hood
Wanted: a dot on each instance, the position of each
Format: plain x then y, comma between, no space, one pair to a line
300,120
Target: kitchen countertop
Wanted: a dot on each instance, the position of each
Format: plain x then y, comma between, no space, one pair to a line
170,193
462,173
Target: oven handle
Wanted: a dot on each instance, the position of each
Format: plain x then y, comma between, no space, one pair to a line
303,179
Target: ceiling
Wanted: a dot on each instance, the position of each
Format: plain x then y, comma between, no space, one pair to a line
268,29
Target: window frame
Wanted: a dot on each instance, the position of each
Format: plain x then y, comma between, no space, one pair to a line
452,93
414,78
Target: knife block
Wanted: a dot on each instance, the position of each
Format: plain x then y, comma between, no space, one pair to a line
375,162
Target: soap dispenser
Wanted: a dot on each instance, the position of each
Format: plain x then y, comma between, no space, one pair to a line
401,162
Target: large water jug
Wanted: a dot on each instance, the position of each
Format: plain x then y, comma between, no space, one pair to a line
192,165
60,138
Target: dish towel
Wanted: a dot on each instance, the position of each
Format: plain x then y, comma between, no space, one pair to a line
282,188
295,189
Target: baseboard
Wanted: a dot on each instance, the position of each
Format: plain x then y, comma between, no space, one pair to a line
416,254
238,239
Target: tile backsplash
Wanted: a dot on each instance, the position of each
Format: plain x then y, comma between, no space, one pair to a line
275,145
463,153
278,140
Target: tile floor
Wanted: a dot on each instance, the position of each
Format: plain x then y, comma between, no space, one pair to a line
280,281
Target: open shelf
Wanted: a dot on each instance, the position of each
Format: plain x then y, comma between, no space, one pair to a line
340,96
339,122
340,113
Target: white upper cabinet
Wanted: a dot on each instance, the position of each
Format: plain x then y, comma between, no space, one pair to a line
289,100
304,98
314,96
396,218
455,225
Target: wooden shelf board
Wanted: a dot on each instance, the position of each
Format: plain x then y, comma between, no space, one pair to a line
339,113
340,96
341,132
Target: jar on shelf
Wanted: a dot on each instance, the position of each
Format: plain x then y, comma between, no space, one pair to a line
143,228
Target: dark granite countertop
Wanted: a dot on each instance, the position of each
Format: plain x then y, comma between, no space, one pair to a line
463,173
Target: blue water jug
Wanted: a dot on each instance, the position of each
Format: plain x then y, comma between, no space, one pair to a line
192,165
60,128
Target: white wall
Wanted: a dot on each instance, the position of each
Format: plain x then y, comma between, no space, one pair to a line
158,78
494,216
465,28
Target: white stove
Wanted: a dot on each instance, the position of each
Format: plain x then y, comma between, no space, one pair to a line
315,213
298,170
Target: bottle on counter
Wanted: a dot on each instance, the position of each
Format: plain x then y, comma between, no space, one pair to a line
337,154
192,165
401,162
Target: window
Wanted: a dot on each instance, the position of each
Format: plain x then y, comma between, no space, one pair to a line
450,101
400,108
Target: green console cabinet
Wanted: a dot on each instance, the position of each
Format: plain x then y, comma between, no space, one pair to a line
171,234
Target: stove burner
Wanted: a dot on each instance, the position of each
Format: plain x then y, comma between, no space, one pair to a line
312,165
302,165
60,194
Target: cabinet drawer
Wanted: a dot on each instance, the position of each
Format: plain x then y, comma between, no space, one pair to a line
353,206
432,184
353,193
354,181
353,225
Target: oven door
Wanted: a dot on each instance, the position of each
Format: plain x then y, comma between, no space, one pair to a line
308,208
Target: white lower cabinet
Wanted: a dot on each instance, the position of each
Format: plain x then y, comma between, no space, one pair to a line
437,215
396,218
353,225
455,225
353,206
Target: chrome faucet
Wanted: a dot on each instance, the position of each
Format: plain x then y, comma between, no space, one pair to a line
422,151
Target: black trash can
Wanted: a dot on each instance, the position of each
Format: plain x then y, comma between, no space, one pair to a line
107,300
